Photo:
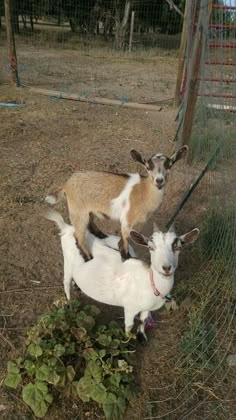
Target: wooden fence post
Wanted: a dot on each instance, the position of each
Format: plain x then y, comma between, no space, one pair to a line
181,60
11,44
131,31
193,79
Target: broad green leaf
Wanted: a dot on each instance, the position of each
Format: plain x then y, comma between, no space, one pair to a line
37,397
114,325
114,407
92,310
42,372
115,379
19,361
79,333
102,353
128,392
70,373
35,350
90,354
88,322
83,389
13,379
52,361
54,378
104,340
115,343
59,350
95,370
70,348
12,367
29,365
98,392
74,386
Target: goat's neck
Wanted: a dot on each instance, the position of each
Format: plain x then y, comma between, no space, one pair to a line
162,283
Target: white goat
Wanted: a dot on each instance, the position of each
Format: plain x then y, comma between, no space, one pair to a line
128,198
136,287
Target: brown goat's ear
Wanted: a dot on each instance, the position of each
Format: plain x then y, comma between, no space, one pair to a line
178,155
138,238
137,157
190,237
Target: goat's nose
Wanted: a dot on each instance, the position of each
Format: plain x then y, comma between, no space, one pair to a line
166,268
159,182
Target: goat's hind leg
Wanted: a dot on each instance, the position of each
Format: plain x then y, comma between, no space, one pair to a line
80,223
94,229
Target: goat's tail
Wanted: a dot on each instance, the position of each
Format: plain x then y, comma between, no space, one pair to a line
56,217
55,196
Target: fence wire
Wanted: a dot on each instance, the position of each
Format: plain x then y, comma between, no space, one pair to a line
85,47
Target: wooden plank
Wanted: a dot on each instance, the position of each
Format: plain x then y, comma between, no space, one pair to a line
93,100
14,77
181,60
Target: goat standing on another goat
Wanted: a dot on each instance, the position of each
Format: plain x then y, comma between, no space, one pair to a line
128,198
132,285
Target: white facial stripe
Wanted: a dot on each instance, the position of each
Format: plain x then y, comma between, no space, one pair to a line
163,254
121,204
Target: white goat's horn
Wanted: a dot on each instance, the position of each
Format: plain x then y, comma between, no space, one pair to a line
172,227
155,227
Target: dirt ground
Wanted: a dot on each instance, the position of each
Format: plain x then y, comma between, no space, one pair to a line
145,80
42,143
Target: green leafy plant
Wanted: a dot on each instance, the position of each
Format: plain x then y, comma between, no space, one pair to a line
68,352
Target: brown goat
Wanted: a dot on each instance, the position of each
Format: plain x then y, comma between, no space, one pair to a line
129,198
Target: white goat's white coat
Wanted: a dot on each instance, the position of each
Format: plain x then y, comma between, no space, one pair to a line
106,279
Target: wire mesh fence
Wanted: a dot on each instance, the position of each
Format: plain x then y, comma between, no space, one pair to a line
87,46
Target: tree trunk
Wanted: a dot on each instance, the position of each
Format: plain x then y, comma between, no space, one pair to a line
32,23
72,25
121,26
24,22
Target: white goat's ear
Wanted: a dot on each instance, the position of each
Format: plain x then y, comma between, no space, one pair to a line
178,155
190,237
137,157
139,239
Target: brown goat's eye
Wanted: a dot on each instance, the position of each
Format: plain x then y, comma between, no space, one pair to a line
167,163
176,246
150,164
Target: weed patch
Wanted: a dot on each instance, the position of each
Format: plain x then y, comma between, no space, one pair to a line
68,352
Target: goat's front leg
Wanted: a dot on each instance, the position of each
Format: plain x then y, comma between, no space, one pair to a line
67,280
124,244
129,320
141,329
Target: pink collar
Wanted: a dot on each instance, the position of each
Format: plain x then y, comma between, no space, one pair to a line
155,291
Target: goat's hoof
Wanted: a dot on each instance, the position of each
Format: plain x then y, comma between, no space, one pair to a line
142,338
125,257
